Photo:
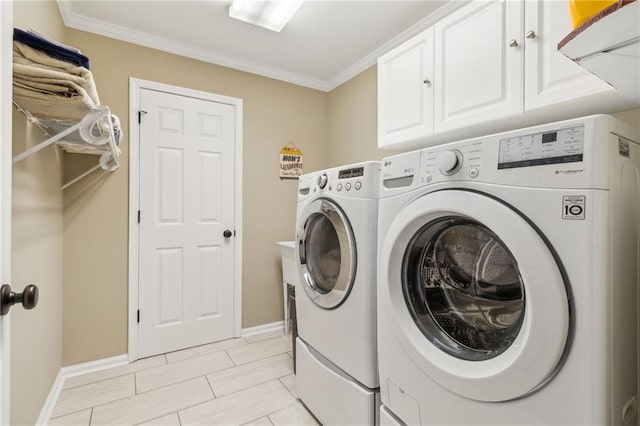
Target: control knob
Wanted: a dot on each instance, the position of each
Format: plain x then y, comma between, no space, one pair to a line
449,162
322,180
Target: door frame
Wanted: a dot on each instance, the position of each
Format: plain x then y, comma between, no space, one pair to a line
135,86
6,135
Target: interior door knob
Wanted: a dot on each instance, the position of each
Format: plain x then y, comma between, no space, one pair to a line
227,233
28,298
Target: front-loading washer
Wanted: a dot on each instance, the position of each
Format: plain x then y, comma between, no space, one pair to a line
508,278
336,248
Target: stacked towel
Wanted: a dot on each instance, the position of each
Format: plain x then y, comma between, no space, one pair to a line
50,87
52,48
53,82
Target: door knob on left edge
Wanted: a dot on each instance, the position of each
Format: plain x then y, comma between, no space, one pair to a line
227,233
8,298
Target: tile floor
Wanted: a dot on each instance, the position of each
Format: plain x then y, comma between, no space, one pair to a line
244,381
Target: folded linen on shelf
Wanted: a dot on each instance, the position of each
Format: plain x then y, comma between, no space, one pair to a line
52,88
50,47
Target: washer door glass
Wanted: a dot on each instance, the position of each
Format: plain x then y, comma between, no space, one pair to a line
327,254
474,293
463,288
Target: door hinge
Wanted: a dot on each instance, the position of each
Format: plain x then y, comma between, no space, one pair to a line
138,216
140,112
138,316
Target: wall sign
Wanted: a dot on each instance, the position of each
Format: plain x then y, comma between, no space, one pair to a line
291,161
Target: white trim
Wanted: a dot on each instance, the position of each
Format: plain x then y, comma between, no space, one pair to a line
129,35
134,189
264,328
50,402
135,85
6,111
372,58
93,366
73,371
118,32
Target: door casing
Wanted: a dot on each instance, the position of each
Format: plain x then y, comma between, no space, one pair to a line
6,111
135,86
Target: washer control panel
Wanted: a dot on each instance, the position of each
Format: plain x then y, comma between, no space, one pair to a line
444,164
538,149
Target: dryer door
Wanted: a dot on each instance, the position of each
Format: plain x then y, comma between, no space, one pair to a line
326,253
478,298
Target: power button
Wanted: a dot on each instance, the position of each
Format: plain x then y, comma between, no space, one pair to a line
473,173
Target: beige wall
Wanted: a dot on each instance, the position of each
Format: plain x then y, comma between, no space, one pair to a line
630,116
95,209
353,118
36,335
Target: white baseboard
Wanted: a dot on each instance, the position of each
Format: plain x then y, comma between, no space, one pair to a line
72,371
54,393
264,328
93,366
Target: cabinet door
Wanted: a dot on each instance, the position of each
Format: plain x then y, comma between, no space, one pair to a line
479,59
405,93
551,77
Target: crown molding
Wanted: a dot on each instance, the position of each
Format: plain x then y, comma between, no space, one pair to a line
372,58
129,35
96,26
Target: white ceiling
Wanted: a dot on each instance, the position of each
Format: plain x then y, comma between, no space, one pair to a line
325,44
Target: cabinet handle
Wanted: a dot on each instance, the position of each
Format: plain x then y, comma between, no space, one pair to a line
427,82
530,34
513,43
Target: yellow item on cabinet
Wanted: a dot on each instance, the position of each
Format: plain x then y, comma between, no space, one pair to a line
581,10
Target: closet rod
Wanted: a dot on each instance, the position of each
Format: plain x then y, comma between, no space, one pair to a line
82,176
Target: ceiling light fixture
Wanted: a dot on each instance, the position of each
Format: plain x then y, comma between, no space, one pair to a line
270,14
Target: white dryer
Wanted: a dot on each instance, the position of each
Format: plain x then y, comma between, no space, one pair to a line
508,278
336,360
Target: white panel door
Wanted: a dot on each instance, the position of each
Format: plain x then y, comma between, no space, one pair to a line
478,64
405,91
186,281
551,77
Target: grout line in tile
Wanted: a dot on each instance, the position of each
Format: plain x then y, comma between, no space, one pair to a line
285,386
210,385
172,384
91,416
108,378
97,381
232,361
68,414
135,383
151,390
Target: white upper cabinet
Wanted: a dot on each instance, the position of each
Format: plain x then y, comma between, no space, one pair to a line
478,73
489,66
405,91
551,77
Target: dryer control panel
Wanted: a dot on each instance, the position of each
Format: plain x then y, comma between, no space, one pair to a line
354,181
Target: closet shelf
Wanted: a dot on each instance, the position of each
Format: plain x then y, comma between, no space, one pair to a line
94,134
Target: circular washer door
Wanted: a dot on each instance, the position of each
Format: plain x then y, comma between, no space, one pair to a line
326,253
477,297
